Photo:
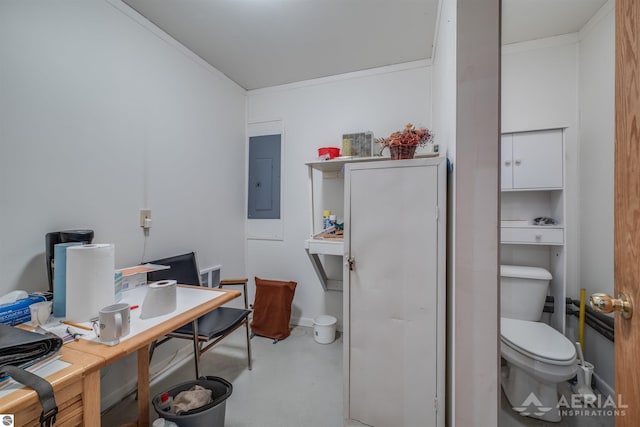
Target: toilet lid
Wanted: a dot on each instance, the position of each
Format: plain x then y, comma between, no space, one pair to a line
537,340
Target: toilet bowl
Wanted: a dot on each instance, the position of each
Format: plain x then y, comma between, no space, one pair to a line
537,356
538,359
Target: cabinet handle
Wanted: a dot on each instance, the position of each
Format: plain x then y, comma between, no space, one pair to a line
518,161
538,236
507,162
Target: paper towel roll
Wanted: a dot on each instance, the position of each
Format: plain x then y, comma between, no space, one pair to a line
160,299
90,276
60,277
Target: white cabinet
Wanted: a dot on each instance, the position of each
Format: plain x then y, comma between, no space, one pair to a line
532,185
326,191
532,160
326,254
394,293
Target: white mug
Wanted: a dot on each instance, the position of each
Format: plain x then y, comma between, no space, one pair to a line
40,312
113,323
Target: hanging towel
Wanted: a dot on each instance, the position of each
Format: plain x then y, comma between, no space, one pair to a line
272,308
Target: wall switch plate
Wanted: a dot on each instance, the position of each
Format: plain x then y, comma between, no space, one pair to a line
145,218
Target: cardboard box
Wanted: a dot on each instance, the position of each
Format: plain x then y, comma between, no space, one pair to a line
133,281
132,277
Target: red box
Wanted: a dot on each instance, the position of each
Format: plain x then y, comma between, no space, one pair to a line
328,152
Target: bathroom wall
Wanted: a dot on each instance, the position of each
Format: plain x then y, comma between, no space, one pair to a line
568,81
540,91
102,114
597,64
313,114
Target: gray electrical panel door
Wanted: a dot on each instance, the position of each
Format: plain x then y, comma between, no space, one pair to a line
264,177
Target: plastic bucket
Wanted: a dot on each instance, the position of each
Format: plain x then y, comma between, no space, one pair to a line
324,329
210,415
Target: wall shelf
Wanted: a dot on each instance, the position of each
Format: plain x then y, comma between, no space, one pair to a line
336,165
324,246
316,247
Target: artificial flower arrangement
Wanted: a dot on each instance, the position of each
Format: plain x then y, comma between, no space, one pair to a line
402,144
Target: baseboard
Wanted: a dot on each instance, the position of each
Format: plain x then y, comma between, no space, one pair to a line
603,387
308,322
302,321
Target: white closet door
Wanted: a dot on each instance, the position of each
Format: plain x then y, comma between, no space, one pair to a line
537,159
506,150
393,295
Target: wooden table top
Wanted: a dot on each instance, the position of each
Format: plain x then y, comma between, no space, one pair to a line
131,345
85,356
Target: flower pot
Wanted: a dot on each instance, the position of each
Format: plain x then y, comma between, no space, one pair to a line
399,152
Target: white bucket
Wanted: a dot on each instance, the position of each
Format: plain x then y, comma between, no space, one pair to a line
324,329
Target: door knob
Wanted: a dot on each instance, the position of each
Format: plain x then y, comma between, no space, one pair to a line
605,304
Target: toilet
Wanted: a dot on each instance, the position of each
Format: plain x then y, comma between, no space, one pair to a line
537,356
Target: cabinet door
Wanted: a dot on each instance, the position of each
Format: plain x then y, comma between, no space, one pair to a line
392,296
506,154
537,159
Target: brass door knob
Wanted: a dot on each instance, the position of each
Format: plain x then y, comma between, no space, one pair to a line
606,304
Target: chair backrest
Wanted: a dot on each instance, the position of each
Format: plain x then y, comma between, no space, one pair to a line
184,269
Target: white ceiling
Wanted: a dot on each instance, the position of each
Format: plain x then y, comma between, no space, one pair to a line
261,43
535,19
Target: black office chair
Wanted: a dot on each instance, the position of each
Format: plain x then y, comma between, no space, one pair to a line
208,330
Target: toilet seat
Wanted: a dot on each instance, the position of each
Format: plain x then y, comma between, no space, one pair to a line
538,341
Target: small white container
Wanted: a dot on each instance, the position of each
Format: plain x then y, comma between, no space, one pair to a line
324,329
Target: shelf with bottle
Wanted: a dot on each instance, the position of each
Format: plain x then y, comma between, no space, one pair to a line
336,164
327,242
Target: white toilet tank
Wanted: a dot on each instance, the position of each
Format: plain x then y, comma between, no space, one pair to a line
523,291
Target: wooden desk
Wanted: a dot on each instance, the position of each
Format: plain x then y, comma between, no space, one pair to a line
140,344
76,389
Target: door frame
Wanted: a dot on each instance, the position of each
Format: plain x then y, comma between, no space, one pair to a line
627,206
474,314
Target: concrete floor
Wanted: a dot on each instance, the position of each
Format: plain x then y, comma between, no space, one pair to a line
509,418
294,383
